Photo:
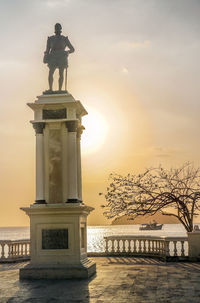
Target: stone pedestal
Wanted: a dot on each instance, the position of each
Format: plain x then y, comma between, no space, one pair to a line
194,245
58,218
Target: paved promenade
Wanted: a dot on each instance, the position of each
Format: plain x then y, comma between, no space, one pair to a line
118,280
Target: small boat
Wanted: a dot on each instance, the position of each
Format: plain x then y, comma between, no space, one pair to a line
151,226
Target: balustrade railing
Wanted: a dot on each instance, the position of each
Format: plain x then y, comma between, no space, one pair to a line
146,246
14,250
164,247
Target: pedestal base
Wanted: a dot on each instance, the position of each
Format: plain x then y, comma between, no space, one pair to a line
82,271
58,234
194,245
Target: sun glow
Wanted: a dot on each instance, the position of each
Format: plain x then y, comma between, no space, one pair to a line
95,131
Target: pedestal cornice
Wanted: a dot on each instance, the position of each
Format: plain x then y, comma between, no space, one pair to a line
55,98
57,208
58,101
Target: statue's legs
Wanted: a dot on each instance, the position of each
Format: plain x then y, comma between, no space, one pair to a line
60,81
51,72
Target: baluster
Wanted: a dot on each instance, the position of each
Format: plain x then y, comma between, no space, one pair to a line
175,248
134,246
106,246
148,246
182,249
156,242
118,245
113,246
142,245
160,247
153,242
2,250
129,246
166,248
163,248
29,248
123,247
18,250
140,250
144,248
22,249
10,250
26,252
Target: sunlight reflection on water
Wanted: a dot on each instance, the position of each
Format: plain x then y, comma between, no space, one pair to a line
96,234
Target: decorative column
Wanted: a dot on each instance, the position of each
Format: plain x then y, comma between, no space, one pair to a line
58,219
39,126
79,180
72,161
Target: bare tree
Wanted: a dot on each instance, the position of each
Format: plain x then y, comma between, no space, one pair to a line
174,192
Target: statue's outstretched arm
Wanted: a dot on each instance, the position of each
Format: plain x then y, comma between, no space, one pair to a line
69,45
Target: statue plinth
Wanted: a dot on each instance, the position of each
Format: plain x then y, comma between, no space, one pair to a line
58,218
54,92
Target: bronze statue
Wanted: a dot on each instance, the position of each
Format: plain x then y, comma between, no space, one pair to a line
57,57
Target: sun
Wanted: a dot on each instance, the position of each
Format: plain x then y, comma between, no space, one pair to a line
95,132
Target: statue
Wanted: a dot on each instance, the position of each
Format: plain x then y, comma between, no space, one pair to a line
57,57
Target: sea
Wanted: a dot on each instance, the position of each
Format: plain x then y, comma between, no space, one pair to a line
96,234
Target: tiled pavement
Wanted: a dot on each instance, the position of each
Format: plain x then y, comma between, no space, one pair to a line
118,280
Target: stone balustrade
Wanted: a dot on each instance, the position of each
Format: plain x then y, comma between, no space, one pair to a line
14,250
147,246
165,247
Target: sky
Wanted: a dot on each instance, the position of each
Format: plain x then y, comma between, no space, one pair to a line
136,70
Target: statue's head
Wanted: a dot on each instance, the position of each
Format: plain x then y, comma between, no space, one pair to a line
58,28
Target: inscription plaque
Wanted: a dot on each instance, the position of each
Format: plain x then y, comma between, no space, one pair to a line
54,113
55,239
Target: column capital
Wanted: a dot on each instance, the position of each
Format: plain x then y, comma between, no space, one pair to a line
72,126
38,126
